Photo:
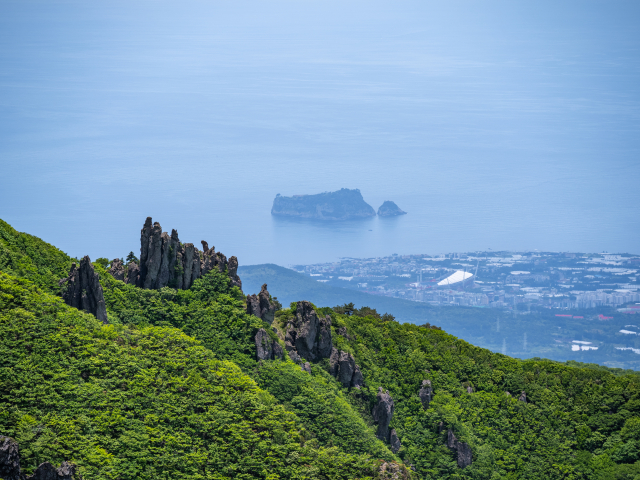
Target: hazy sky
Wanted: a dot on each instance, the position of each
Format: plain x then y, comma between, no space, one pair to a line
495,124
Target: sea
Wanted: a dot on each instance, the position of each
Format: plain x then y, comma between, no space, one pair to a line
496,125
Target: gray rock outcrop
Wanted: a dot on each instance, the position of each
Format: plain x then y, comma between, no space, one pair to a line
307,334
383,413
46,471
10,465
426,393
261,305
523,397
133,273
117,269
393,471
343,366
464,455
84,291
166,262
394,441
9,459
267,348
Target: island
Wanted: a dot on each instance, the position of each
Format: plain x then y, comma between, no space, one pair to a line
345,204
390,209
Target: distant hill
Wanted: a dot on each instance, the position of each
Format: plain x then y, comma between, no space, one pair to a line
539,334
344,204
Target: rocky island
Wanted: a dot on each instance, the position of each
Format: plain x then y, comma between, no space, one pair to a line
345,204
390,209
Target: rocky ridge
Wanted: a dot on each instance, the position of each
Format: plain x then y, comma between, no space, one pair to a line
10,465
84,291
166,262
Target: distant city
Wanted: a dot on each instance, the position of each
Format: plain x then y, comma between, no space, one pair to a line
504,280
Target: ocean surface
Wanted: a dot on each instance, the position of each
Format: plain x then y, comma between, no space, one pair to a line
502,125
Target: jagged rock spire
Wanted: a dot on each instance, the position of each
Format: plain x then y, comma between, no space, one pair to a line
261,305
166,262
383,413
84,291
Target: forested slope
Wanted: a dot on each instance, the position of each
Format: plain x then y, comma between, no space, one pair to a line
171,387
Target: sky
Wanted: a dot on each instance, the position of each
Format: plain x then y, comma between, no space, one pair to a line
504,125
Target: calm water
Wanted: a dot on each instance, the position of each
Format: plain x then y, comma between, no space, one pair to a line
494,125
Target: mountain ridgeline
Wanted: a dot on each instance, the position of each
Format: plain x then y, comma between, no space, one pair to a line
163,368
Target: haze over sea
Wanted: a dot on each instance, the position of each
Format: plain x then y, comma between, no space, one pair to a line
503,125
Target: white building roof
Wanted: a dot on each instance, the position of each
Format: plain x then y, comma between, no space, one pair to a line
456,277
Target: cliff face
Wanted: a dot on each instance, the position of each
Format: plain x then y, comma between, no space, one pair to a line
344,204
167,262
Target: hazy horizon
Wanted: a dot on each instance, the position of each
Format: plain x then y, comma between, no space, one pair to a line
494,125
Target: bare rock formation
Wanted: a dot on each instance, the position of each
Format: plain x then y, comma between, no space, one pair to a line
261,305
232,268
84,290
383,413
10,465
346,367
308,335
394,441
117,269
266,347
343,366
166,262
46,471
357,380
133,273
9,459
523,397
393,471
426,393
463,450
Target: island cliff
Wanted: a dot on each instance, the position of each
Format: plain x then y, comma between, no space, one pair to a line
390,209
344,204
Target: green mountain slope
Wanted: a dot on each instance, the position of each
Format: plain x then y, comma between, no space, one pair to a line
29,257
171,388
124,402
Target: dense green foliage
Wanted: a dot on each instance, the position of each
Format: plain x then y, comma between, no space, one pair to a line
124,402
171,389
26,256
575,423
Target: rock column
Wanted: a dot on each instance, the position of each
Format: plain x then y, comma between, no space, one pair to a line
383,413
84,290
